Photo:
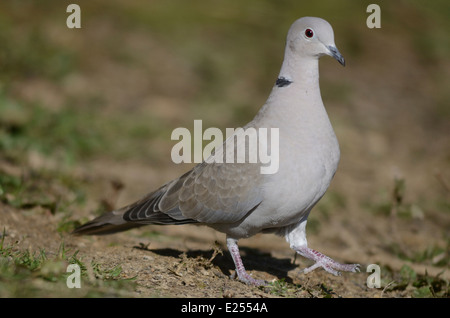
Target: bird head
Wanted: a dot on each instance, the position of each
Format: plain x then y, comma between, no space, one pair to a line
313,37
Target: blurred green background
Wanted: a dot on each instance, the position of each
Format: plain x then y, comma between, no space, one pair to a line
75,102
64,92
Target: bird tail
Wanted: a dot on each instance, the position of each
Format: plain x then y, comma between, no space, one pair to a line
108,223
143,212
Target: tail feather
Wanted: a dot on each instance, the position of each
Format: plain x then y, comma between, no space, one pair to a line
108,223
143,212
119,221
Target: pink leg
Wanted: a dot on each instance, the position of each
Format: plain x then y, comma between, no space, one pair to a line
325,262
240,269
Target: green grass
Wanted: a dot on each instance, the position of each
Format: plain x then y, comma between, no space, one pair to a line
417,285
66,134
56,193
432,255
281,288
72,134
27,274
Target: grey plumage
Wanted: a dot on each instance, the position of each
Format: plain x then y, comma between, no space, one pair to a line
236,198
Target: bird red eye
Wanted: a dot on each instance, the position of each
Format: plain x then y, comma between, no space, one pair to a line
309,33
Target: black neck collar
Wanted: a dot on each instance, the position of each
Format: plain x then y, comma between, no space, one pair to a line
282,82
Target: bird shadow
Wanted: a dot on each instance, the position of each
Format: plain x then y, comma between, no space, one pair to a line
252,258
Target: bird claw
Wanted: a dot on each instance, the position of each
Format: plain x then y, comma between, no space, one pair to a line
328,264
248,279
333,267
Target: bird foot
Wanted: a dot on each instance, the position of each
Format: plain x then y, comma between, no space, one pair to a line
242,274
328,264
246,278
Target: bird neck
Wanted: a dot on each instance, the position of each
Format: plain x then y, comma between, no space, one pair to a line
295,98
300,71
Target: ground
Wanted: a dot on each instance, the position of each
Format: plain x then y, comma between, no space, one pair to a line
85,123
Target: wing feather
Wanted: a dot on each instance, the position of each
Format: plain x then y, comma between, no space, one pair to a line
211,192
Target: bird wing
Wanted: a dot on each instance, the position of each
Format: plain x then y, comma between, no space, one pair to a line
212,192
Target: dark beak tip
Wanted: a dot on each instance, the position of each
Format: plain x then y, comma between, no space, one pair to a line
336,55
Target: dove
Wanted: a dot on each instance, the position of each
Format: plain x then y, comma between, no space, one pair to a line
236,198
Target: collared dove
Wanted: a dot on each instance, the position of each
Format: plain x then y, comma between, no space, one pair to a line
236,198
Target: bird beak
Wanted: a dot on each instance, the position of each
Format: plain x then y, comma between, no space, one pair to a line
334,52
